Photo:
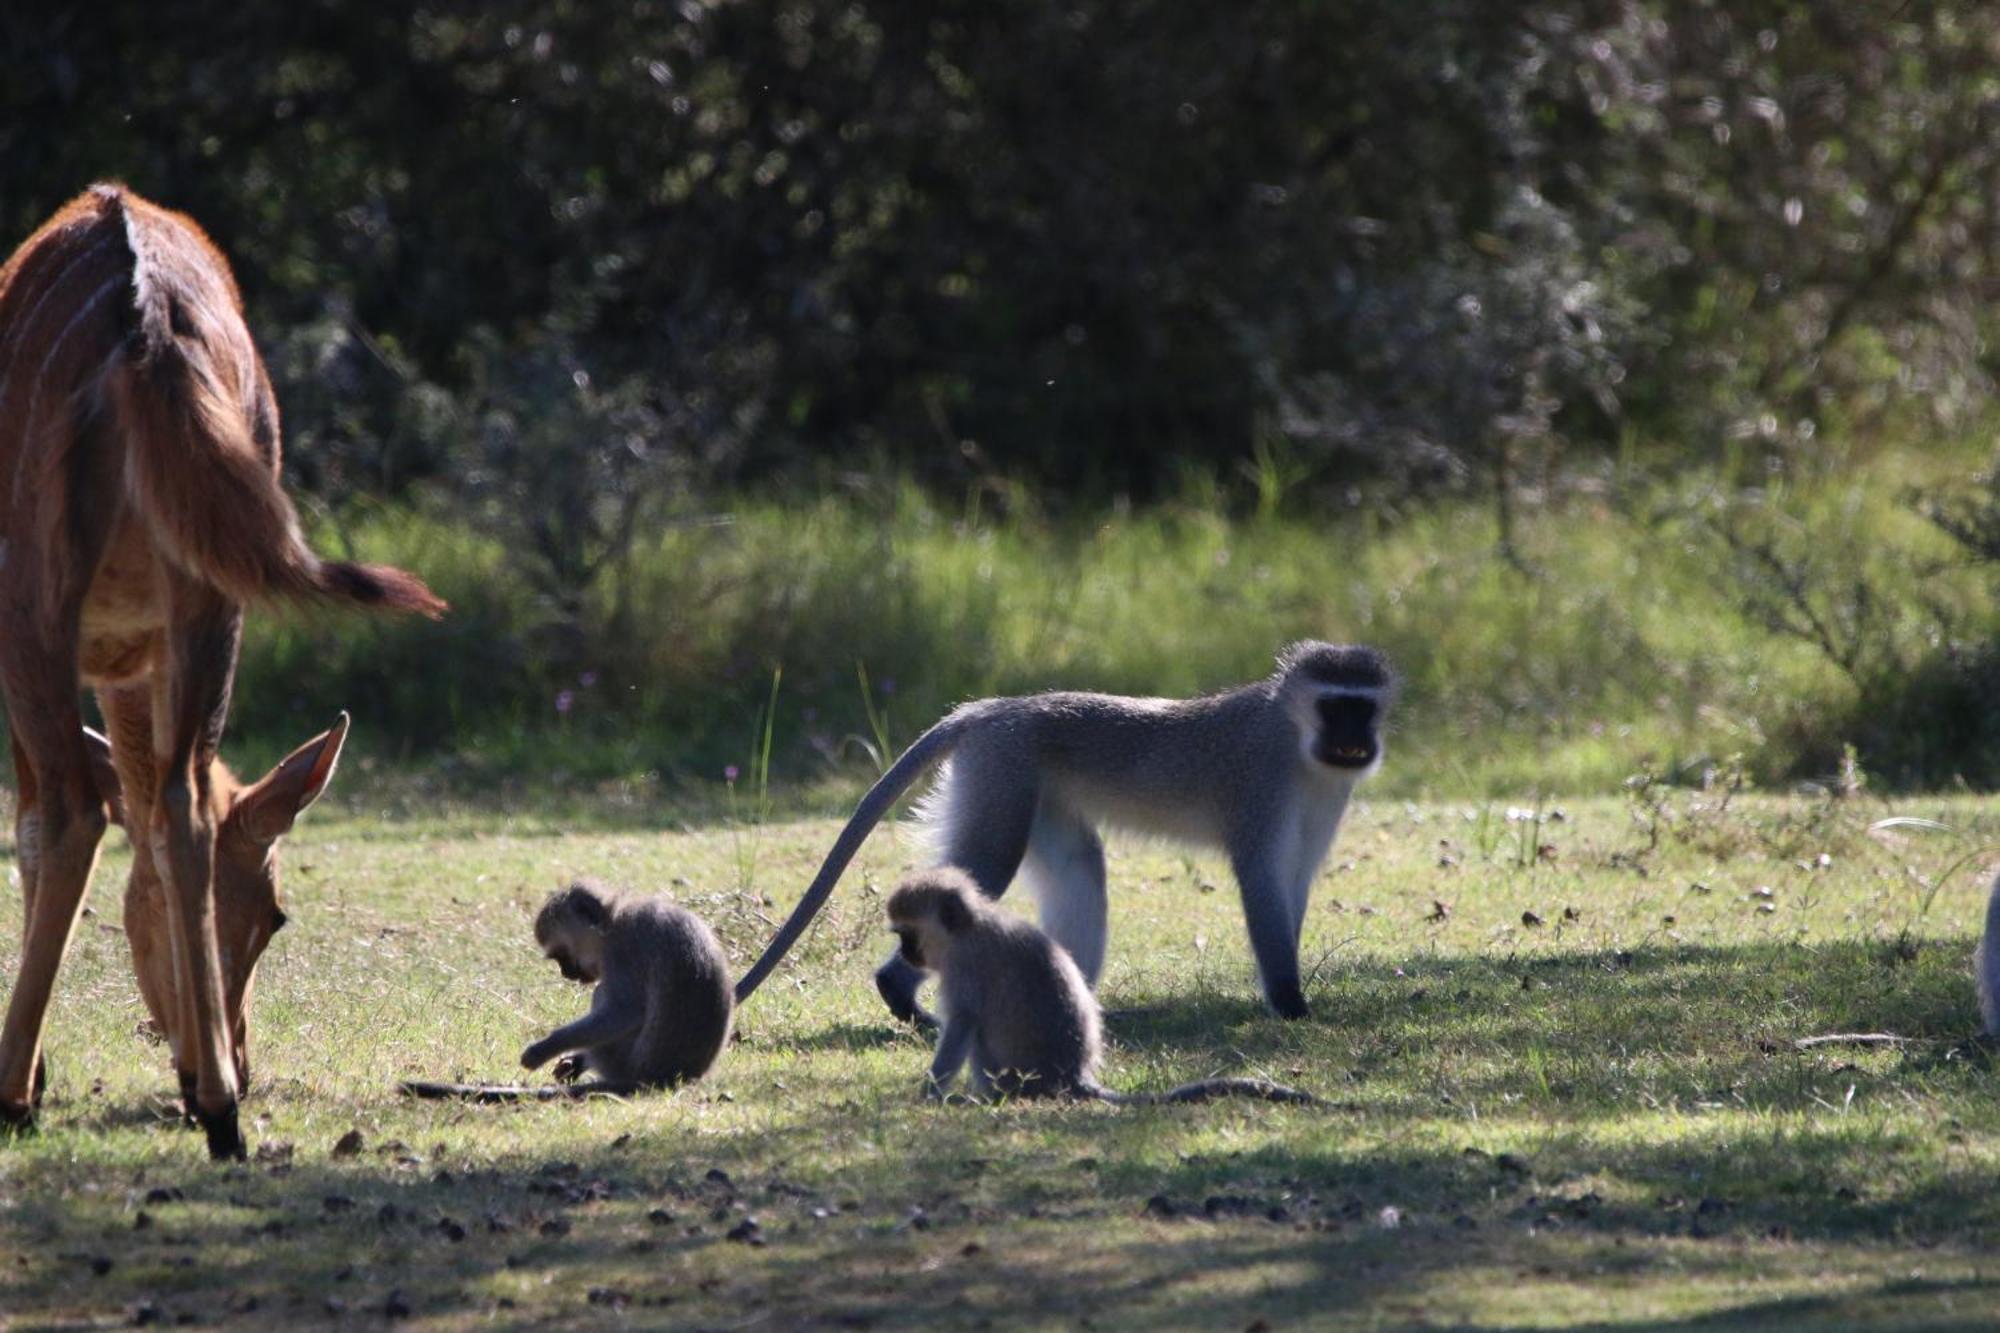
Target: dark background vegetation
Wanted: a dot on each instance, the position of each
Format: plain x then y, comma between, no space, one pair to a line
565,276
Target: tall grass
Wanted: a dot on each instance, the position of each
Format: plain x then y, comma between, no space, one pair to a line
1620,641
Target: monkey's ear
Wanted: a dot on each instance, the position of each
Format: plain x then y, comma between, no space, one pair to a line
953,914
268,807
105,775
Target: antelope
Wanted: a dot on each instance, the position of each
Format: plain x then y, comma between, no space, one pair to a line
140,511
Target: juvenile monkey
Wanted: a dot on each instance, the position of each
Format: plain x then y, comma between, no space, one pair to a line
1263,771
661,1010
1016,1006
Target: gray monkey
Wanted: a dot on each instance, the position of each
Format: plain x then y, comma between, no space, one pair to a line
1263,771
1016,1007
659,1015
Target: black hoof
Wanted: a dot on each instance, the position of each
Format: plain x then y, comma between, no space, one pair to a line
16,1121
190,1113
40,1084
225,1140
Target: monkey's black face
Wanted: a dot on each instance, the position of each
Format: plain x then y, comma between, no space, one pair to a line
1347,731
910,945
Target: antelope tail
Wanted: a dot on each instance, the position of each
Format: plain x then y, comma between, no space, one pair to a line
190,398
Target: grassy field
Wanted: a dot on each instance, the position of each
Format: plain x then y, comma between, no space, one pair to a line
1557,1046
1626,633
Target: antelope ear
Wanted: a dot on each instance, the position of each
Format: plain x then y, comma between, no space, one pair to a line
268,807
105,774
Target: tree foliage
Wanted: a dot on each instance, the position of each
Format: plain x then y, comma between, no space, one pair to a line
1072,245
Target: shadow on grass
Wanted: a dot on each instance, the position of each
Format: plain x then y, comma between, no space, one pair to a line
1572,1028
1503,1141
1885,1307
845,1036
1221,1240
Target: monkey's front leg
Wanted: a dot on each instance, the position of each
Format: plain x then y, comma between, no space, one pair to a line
607,1021
1267,911
953,1048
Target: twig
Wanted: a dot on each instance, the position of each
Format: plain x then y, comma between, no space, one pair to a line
1856,1039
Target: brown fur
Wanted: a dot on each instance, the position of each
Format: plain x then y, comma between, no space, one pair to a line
140,508
249,897
124,335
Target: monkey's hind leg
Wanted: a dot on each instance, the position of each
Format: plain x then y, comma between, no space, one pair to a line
982,813
1986,966
1064,869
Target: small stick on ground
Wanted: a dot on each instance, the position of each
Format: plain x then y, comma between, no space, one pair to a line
510,1092
1854,1039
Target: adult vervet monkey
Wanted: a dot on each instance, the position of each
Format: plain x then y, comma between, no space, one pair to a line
1016,1007
659,1015
1263,771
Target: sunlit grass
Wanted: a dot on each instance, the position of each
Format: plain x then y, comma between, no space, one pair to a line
1598,1120
1620,641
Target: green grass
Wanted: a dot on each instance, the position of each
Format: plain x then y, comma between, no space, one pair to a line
1599,1121
1626,635
1624,638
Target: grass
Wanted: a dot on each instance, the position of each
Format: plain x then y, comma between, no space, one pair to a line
1599,1121
1630,634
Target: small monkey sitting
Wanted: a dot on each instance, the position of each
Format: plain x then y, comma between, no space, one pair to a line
661,1009
1015,1003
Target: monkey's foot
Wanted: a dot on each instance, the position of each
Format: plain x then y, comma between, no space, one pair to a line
900,994
569,1069
1288,1003
225,1139
897,982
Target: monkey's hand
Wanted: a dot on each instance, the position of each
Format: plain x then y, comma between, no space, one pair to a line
570,1068
536,1055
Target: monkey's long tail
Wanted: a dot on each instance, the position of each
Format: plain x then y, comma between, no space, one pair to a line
1986,966
913,763
514,1092
1210,1088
